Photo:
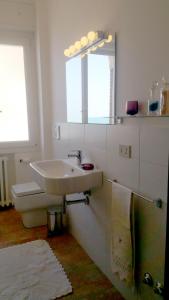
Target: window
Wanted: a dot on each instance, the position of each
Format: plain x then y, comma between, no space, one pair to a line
17,90
13,102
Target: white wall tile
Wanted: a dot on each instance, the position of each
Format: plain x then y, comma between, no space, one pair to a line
97,157
95,136
76,136
89,223
153,180
23,170
61,149
125,170
86,226
65,132
154,145
125,135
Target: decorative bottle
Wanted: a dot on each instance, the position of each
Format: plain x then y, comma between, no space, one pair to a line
154,100
164,97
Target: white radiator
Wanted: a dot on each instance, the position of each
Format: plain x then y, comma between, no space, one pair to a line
4,185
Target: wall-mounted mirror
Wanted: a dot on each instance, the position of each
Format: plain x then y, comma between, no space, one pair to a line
90,86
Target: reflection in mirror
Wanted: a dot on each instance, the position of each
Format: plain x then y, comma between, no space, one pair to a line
101,67
74,90
90,83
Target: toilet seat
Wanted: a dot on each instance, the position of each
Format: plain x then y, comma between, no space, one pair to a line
29,188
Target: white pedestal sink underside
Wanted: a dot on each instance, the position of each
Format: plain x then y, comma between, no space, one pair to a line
63,177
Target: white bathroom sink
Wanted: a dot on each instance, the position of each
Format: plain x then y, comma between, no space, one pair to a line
62,176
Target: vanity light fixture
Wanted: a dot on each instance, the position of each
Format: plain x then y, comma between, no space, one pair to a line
88,43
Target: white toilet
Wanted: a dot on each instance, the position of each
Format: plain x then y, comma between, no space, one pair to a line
32,202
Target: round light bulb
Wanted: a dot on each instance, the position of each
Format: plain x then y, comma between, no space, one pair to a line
78,45
109,39
88,51
72,49
101,44
93,48
84,41
92,36
66,52
82,55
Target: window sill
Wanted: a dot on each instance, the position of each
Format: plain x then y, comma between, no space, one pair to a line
16,147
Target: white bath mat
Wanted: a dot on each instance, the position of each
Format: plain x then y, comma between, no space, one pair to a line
31,272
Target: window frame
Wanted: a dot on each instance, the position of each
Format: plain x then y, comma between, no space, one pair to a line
27,40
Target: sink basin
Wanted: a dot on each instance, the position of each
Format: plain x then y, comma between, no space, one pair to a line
62,176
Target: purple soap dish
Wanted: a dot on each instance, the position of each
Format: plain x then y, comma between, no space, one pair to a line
87,166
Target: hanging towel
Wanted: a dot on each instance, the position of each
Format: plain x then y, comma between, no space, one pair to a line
122,251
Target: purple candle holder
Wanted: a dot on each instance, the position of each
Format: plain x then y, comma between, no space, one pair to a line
132,107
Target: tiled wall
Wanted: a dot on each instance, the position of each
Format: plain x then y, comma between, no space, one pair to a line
145,172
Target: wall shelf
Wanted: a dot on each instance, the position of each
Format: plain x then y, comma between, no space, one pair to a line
119,119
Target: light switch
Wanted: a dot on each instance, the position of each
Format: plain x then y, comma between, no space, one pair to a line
57,131
125,151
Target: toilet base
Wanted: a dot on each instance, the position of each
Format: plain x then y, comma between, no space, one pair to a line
32,203
34,218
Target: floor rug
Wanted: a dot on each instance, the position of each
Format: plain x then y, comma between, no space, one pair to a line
31,271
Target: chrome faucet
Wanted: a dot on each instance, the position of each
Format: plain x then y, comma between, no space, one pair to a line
77,154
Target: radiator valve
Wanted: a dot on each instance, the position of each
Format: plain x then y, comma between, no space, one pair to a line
159,288
148,279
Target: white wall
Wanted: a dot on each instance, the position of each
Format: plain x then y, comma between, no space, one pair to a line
142,45
142,56
44,76
17,15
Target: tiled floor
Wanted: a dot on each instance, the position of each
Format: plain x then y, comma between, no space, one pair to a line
87,280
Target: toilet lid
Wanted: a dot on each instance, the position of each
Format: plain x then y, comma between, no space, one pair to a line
26,189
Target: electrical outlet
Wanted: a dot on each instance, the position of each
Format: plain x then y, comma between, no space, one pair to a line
125,151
